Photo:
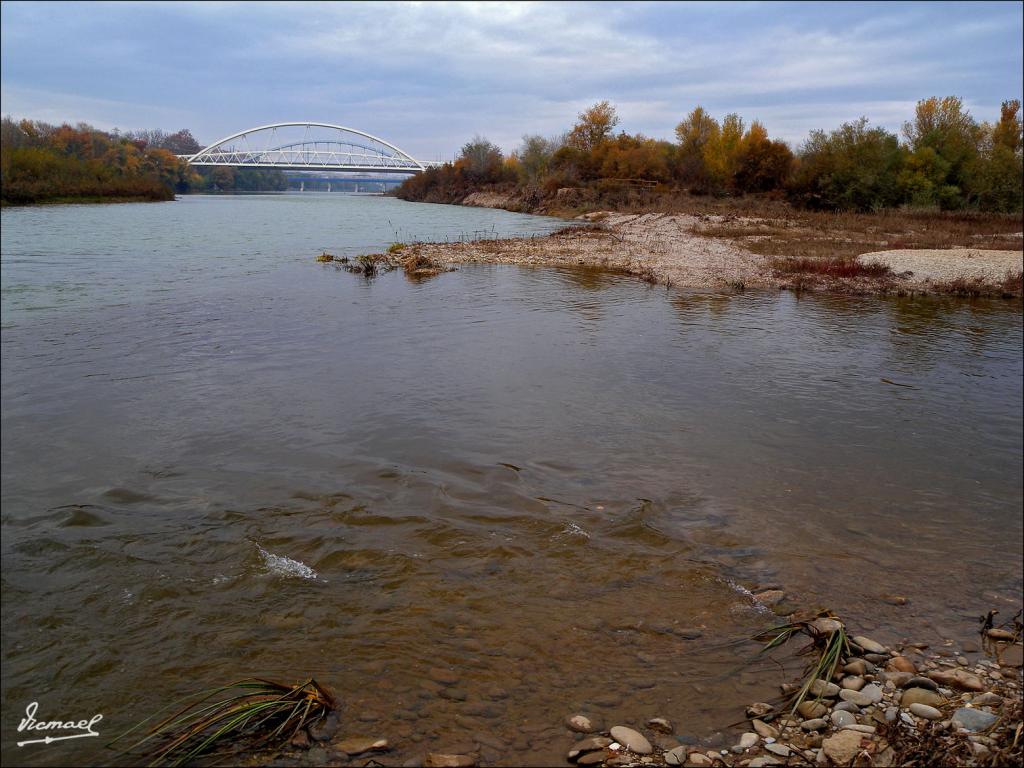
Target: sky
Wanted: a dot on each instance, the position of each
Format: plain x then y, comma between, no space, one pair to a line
430,76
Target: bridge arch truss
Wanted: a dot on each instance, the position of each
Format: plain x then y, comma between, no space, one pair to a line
307,146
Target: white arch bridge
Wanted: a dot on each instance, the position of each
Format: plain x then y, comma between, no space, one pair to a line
307,147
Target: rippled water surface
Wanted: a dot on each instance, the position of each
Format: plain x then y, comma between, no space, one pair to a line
221,458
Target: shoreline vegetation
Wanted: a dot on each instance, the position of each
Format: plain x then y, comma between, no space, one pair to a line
854,210
42,163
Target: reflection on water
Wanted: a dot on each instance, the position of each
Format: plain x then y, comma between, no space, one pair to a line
558,484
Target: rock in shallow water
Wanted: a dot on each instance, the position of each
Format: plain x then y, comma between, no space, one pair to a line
747,740
868,644
632,740
580,724
357,745
441,760
592,744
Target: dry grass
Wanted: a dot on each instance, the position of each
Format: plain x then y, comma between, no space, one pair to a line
829,267
803,234
1009,287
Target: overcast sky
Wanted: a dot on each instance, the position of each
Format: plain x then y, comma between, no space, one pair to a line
428,76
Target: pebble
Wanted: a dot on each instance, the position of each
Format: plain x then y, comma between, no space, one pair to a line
632,740
921,682
443,676
813,709
824,688
840,718
901,664
872,692
859,698
764,730
778,749
853,683
987,699
356,745
592,758
441,760
660,724
859,728
842,747
759,709
923,710
814,724
957,678
1012,656
747,740
676,756
580,724
891,713
973,720
869,645
847,706
697,759
589,745
1001,634
913,696
856,667
770,597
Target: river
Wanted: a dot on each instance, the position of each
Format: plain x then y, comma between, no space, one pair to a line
222,458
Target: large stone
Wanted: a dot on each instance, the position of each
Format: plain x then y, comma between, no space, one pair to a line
356,745
973,720
632,740
873,692
826,626
441,760
1001,634
868,644
843,747
812,709
778,749
814,724
956,678
913,696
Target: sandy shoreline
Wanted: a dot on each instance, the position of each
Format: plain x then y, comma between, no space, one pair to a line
669,249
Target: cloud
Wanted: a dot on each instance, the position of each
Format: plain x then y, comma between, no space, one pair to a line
428,76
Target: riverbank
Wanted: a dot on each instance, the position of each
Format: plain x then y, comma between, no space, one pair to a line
727,252
874,705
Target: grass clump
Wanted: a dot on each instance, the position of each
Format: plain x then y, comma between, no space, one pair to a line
325,257
828,647
246,716
396,248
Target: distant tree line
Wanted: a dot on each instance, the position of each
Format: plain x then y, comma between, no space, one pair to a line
40,162
945,160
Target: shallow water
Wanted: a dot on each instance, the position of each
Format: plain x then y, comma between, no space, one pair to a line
559,484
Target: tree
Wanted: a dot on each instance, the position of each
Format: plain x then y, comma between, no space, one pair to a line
695,133
945,138
593,126
853,167
535,155
764,165
181,143
481,160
